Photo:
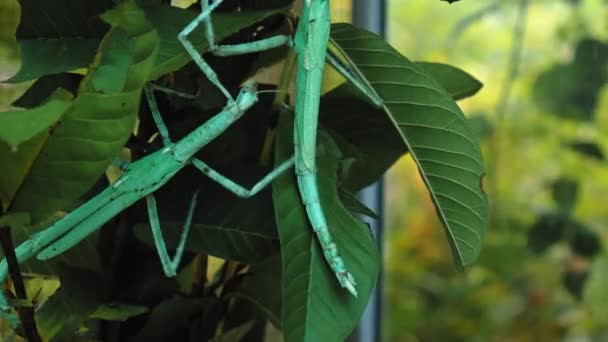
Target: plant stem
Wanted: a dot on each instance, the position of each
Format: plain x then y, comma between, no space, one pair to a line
502,105
26,314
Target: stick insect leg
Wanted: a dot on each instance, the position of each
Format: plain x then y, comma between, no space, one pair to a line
170,266
221,50
237,189
354,79
158,120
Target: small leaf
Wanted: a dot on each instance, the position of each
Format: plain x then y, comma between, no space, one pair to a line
585,242
40,288
549,229
19,126
118,312
572,90
564,191
458,83
589,149
591,52
352,203
574,282
434,131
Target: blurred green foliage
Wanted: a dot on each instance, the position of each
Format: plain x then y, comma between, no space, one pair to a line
543,263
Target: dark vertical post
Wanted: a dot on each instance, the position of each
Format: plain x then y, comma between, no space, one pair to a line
371,15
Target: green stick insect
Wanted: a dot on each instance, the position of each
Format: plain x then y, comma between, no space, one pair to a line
311,45
146,175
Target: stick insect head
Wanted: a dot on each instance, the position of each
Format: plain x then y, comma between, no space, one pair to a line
247,97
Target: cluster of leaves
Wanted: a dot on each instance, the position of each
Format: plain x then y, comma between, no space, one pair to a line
560,225
270,266
571,91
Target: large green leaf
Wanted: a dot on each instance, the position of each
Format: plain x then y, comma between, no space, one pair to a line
118,312
54,168
458,83
315,307
57,36
170,21
370,156
434,131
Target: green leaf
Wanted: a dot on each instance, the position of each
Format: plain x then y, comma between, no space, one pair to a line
588,149
18,126
458,83
585,242
173,317
315,307
262,287
51,56
549,229
54,169
14,219
352,203
80,294
569,91
572,90
434,131
481,126
235,334
118,312
45,86
564,191
58,36
170,21
367,138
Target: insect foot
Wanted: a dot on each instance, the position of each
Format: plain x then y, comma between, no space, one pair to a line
348,282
